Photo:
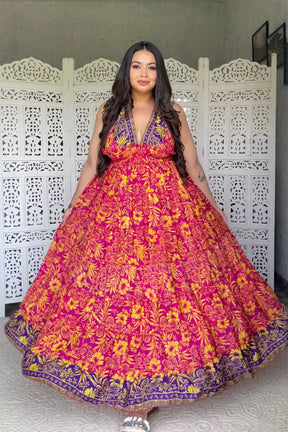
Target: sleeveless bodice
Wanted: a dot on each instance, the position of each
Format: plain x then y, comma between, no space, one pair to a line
121,141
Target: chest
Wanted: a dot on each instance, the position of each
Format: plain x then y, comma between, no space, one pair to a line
139,129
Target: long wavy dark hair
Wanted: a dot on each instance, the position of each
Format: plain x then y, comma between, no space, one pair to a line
121,98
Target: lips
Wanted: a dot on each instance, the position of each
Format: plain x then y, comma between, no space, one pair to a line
141,82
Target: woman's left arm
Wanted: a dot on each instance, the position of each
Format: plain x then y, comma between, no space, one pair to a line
193,166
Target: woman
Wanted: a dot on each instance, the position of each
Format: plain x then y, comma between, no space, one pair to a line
145,298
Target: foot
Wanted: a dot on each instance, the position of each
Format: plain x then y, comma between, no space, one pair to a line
135,424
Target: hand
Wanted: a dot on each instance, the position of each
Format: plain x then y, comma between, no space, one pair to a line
65,216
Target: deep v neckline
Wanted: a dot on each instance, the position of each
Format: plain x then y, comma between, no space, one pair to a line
134,132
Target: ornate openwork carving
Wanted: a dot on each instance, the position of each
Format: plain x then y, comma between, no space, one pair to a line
33,131
240,95
229,165
259,259
83,128
216,130
260,188
93,96
216,183
184,96
238,199
55,131
35,258
239,70
56,199
31,95
251,235
238,134
32,166
9,122
98,71
30,70
13,274
11,200
25,237
179,72
34,201
260,129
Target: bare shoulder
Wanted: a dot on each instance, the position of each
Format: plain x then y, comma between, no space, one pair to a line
177,107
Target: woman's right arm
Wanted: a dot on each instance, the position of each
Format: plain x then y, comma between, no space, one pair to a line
90,167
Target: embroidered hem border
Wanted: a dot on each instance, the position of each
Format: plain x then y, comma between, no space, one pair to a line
154,391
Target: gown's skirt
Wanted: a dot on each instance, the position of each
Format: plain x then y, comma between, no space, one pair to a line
145,298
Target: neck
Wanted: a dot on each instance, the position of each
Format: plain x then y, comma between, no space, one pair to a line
140,99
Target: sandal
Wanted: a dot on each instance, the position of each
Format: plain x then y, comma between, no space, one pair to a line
135,424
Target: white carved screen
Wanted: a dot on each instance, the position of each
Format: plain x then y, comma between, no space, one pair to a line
46,121
240,161
33,172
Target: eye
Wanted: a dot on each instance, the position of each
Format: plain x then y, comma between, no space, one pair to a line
153,68
135,66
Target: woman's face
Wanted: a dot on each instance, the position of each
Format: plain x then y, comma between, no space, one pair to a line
143,73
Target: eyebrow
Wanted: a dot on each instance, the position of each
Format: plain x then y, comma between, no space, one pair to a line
136,61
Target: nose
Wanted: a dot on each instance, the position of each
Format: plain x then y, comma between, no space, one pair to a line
144,71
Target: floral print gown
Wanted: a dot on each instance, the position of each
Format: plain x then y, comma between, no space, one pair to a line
145,297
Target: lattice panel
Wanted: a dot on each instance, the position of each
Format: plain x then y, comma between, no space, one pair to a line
240,112
56,199
239,133
34,169
12,203
9,130
217,116
55,132
13,274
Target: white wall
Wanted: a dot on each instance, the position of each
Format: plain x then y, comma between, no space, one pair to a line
86,30
244,17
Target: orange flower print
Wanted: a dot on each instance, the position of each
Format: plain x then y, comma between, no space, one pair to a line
121,318
124,286
98,358
223,323
166,221
137,311
101,215
54,284
72,304
172,348
243,339
155,365
137,215
173,315
124,222
209,351
120,348
186,306
135,342
124,180
170,285
185,229
151,195
152,235
81,279
150,294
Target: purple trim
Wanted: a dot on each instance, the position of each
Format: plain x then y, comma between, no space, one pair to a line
204,381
